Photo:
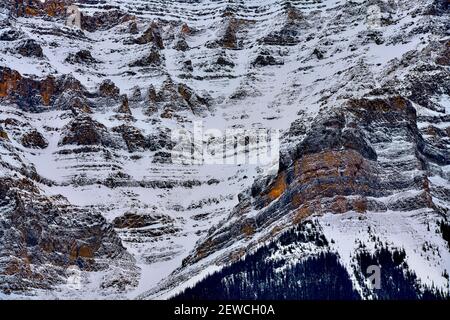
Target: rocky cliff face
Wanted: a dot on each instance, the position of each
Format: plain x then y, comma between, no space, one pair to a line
93,205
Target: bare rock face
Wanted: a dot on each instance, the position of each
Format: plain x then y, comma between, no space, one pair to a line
151,36
133,221
124,105
444,55
136,94
34,139
104,20
26,92
266,59
84,131
71,95
109,89
10,35
38,232
172,98
181,45
135,226
3,134
70,83
230,39
289,34
81,57
52,8
11,82
132,28
133,138
73,101
335,169
33,94
30,48
151,59
367,155
161,140
162,157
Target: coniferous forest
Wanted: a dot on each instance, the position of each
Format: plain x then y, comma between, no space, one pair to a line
321,276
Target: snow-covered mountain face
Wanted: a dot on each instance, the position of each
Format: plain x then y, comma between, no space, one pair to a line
92,204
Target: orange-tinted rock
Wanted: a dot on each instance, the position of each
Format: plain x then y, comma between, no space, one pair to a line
18,267
3,135
52,8
185,29
335,168
47,90
30,11
248,229
301,214
27,92
276,230
339,205
9,81
55,8
203,250
86,252
333,173
277,188
83,250
360,205
396,103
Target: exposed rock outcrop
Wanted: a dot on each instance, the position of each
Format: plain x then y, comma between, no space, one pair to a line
30,48
82,56
104,20
361,105
172,98
109,89
52,8
133,138
152,59
152,35
133,221
32,94
34,139
336,168
36,233
84,131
